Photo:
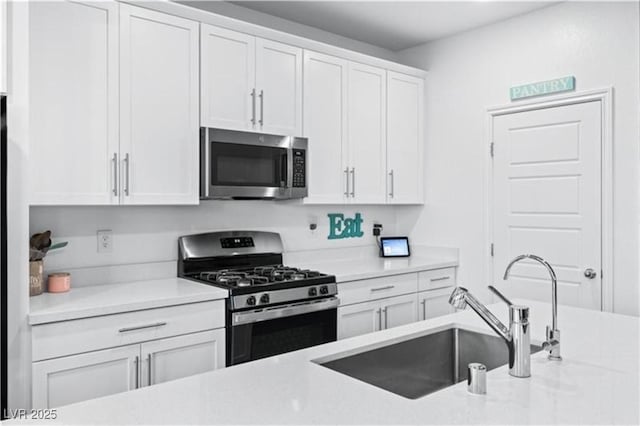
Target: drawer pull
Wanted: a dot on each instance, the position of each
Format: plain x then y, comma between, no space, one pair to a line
388,287
142,327
440,278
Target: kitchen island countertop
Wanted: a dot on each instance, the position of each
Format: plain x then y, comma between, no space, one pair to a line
596,383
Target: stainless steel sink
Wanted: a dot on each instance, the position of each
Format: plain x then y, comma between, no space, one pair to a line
422,365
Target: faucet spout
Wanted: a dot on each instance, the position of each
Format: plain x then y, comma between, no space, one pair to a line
516,336
553,334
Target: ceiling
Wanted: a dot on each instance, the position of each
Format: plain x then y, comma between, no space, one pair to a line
394,25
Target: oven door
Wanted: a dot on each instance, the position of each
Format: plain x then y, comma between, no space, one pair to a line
245,165
266,332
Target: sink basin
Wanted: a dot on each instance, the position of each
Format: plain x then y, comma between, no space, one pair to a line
419,366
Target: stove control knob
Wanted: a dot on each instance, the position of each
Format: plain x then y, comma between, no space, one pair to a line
313,291
251,300
324,290
264,299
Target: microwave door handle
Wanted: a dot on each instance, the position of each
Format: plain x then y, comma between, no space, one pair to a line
284,168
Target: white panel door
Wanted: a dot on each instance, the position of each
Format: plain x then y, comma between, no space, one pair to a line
325,124
367,134
228,96
73,109
182,356
399,310
279,86
159,135
405,138
434,303
360,318
61,381
547,201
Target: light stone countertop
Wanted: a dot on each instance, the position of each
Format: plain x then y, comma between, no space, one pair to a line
109,299
596,383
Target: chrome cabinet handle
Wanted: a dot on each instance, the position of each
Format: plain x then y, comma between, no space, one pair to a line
149,358
353,181
392,183
440,278
346,179
114,162
126,174
136,363
590,273
424,309
253,106
386,322
261,108
142,327
379,311
388,287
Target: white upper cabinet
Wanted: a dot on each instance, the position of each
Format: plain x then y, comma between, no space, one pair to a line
325,124
405,136
3,46
367,134
73,102
159,88
279,87
228,98
249,83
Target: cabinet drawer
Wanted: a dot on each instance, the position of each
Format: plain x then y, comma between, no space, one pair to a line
437,278
377,288
90,334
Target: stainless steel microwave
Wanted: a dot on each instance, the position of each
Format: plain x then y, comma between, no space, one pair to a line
247,165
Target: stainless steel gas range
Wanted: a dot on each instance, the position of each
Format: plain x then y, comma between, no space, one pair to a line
272,308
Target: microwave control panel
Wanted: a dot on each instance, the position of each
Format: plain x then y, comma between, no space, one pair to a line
299,168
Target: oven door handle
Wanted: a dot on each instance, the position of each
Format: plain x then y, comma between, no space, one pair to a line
247,317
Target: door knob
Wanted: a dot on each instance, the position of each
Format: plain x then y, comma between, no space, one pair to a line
590,273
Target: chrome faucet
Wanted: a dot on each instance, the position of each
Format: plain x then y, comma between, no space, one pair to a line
553,334
517,336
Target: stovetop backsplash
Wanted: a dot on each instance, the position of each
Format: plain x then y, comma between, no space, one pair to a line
145,237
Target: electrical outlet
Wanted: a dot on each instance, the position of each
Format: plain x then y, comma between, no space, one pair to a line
105,241
377,229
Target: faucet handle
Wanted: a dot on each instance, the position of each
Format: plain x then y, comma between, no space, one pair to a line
500,295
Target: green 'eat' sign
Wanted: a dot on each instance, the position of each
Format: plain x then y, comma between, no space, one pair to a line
339,227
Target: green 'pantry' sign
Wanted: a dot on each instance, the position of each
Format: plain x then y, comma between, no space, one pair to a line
558,85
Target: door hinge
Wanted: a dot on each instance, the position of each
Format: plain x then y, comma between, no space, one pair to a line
491,145
491,249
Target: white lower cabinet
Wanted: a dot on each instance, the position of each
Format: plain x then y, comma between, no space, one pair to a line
367,317
361,318
400,310
434,303
182,356
386,302
75,378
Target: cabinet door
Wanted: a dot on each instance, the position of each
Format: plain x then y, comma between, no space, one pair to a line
325,124
159,139
405,138
361,318
367,134
227,98
182,356
75,378
73,111
399,310
434,303
279,86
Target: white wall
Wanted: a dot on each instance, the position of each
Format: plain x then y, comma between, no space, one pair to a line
598,43
149,234
276,23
